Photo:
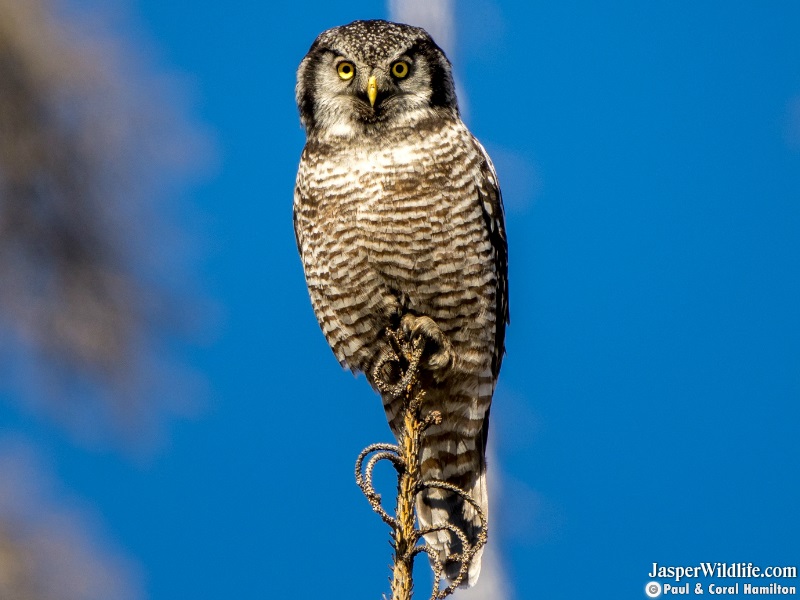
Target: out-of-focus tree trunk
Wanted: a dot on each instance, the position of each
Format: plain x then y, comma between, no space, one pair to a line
89,143
81,154
61,264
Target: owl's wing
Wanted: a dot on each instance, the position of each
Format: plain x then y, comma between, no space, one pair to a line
492,205
335,270
304,213
309,238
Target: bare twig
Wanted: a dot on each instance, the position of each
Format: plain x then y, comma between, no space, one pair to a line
408,540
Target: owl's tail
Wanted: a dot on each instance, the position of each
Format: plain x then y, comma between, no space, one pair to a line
465,468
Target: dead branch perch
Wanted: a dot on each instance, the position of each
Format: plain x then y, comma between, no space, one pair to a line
407,540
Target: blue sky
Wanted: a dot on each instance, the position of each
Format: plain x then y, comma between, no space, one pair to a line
648,406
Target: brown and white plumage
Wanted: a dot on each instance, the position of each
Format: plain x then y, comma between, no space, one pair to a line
399,222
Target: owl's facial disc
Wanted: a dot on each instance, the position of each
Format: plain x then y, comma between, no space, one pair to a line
363,85
389,91
373,76
372,85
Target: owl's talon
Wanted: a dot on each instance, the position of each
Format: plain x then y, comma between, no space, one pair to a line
438,350
397,366
380,374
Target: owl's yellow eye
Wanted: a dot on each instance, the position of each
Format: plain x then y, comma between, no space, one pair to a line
346,70
400,69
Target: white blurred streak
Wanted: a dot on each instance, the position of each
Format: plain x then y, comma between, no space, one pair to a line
438,18
793,123
434,16
493,582
49,549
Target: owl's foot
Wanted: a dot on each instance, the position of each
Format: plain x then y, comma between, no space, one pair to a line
396,368
419,343
438,353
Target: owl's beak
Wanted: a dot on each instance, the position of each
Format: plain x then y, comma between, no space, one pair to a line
372,90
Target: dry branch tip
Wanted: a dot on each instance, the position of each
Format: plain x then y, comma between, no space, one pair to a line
405,355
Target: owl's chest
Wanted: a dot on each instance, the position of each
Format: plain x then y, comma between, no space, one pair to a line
417,221
393,175
401,188
406,201
408,208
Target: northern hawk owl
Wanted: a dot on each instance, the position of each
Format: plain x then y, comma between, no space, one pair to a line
399,224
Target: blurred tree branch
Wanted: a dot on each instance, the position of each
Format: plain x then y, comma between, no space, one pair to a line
89,139
51,547
81,149
59,259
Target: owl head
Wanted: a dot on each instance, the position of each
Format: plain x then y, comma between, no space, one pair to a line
370,75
